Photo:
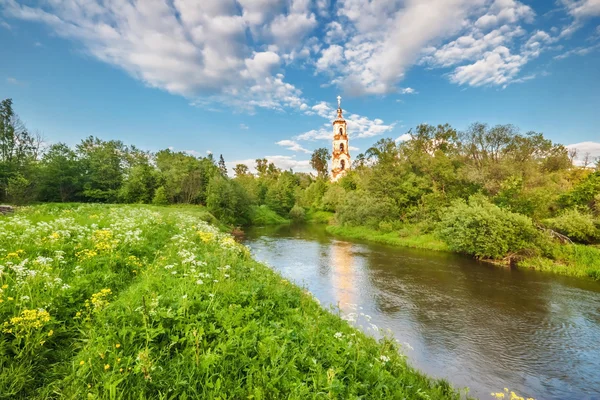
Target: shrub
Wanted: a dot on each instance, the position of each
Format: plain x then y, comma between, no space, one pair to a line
578,226
482,229
297,213
160,197
333,198
360,208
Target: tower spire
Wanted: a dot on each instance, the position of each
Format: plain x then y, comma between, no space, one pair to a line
339,99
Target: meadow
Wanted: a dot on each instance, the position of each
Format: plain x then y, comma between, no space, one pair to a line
133,301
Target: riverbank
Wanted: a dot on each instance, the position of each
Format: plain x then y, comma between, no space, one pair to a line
569,260
128,301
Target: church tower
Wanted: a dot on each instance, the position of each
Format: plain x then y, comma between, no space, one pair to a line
341,156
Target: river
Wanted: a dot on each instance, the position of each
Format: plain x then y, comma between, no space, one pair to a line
475,324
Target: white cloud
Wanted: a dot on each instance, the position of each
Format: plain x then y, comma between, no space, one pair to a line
582,8
578,51
334,32
15,81
505,12
586,148
204,50
5,25
403,138
498,67
316,134
282,162
244,126
292,146
408,90
331,57
352,148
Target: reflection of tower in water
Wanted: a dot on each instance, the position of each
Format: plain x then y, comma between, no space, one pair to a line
342,262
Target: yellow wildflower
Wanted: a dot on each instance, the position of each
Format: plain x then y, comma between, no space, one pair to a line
107,366
5,286
50,333
117,345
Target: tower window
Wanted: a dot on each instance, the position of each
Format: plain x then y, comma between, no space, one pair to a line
341,131
342,164
342,147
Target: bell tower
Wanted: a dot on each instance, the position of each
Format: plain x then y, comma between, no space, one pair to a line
341,155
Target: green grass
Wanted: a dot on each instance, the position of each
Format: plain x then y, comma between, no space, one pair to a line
571,260
405,238
152,302
263,215
319,217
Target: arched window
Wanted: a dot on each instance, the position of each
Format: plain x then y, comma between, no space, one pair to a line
342,164
341,131
342,147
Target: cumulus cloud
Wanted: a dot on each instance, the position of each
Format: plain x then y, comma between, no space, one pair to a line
591,150
236,52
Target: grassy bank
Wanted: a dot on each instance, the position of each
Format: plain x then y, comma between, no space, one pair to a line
570,260
147,302
408,238
263,215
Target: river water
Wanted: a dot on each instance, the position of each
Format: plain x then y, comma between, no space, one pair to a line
475,324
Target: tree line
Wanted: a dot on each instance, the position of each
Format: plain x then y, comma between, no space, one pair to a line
439,173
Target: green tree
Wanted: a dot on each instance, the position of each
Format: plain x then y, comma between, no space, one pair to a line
18,149
160,197
228,201
318,161
222,166
241,170
60,177
103,168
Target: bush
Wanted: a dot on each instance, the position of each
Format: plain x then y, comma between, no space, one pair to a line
484,230
333,198
360,208
228,201
160,197
578,226
297,213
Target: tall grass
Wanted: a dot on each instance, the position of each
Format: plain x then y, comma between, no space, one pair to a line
263,215
406,238
145,302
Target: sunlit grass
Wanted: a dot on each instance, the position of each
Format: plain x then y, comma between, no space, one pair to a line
150,302
396,238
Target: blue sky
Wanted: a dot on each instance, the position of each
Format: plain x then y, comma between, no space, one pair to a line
255,78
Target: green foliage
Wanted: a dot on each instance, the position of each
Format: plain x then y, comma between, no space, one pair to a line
263,215
281,194
484,230
228,201
160,197
360,208
577,225
318,161
571,260
297,214
319,217
178,310
333,198
584,193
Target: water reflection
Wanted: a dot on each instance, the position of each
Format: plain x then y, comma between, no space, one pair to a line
475,324
342,276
